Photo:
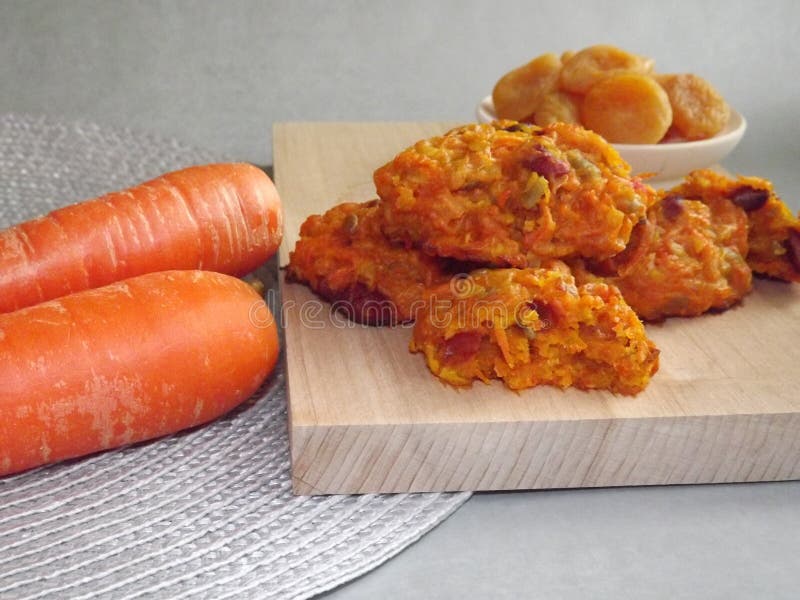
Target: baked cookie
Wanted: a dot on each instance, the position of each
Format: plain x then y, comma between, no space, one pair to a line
533,327
343,257
511,194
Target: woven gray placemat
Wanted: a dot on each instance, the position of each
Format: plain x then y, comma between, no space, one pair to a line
202,514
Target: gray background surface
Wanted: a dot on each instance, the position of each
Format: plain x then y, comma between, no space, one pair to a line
218,74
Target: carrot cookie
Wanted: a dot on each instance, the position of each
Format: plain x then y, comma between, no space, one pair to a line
343,256
511,194
686,258
773,231
532,327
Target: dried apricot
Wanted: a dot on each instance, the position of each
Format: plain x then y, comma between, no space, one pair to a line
557,106
627,108
698,110
648,64
585,68
518,92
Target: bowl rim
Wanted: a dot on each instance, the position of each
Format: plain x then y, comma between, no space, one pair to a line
733,131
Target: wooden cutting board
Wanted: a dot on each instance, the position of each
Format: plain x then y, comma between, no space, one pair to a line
365,415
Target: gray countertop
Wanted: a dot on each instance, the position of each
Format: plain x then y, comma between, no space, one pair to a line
219,74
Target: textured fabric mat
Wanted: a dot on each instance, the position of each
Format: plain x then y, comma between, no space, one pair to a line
202,514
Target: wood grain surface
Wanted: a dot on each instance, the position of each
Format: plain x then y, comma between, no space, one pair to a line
365,415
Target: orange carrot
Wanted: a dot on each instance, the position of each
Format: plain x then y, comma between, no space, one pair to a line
222,217
131,361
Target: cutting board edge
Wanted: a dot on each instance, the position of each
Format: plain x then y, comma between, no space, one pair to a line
449,457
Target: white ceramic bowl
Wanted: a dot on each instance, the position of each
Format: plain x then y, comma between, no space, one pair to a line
669,161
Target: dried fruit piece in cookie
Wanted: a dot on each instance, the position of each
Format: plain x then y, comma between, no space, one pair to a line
627,108
685,259
343,256
698,110
585,68
773,230
510,194
517,94
533,327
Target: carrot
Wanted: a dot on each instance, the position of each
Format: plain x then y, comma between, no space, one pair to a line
220,217
128,362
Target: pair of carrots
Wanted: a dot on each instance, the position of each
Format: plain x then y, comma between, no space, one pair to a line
121,319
